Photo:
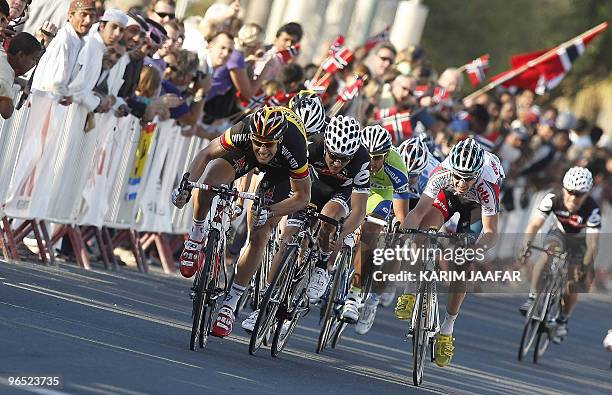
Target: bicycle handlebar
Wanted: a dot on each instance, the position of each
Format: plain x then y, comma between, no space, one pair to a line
466,239
221,190
562,255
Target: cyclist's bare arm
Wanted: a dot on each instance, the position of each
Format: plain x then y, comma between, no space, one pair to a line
489,235
592,248
212,151
401,208
359,203
244,185
534,225
297,201
415,217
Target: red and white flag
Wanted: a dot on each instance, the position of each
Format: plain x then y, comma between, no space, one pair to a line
477,70
440,95
546,73
286,55
278,99
348,93
338,61
384,113
377,39
398,125
336,45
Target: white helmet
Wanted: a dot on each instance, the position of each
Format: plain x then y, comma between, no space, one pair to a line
415,154
467,157
342,136
309,107
376,139
578,179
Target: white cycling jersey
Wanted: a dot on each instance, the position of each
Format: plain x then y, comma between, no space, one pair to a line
485,190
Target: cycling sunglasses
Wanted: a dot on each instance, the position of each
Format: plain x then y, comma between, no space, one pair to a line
575,193
341,159
457,177
260,143
377,157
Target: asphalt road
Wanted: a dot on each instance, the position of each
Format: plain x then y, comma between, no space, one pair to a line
128,333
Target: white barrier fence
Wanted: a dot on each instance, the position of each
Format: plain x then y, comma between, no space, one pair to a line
118,174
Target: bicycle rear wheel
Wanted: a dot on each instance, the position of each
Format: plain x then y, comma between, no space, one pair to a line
270,303
420,337
202,313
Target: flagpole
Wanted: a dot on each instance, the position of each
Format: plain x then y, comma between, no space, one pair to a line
534,62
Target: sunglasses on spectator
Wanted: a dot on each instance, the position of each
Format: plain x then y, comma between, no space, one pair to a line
383,58
457,177
341,159
165,15
267,144
575,193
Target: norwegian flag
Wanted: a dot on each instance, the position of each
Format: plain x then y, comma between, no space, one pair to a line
398,125
477,70
348,93
377,39
338,60
384,113
336,45
440,95
286,55
548,73
421,90
277,99
255,101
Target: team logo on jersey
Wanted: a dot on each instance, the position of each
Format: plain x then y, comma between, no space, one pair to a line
484,195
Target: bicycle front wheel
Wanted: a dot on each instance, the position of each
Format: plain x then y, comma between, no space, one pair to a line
420,336
270,303
532,323
202,312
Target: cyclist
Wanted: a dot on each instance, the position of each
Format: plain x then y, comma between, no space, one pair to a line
468,180
388,188
340,170
308,106
272,139
578,221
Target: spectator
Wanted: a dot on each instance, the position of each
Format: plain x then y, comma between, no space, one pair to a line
292,78
21,56
410,59
156,36
451,79
382,60
4,18
287,35
181,75
162,11
55,69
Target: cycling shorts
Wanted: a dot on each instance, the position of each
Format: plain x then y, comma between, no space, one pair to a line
379,204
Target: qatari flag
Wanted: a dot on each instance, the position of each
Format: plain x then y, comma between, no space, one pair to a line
477,70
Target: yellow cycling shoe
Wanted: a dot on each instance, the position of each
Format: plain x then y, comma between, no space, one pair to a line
404,307
444,350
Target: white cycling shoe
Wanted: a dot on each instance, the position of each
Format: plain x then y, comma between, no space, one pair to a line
350,312
367,316
249,323
318,284
386,299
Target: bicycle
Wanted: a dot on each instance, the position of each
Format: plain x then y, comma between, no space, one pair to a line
206,290
332,323
425,321
546,306
285,300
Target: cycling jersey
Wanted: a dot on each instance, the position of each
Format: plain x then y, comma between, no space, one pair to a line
416,190
392,178
485,190
586,219
355,175
290,156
